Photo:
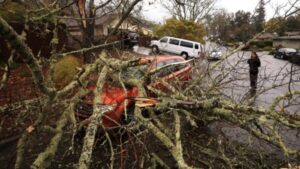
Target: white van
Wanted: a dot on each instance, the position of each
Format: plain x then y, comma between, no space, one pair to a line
185,48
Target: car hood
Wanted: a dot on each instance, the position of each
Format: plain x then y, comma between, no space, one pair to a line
114,95
153,41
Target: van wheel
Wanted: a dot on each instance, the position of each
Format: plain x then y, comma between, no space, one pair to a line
155,50
185,55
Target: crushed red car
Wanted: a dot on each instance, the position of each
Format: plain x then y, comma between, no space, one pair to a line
114,96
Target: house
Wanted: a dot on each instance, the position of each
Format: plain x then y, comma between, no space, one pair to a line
267,36
294,33
106,23
287,41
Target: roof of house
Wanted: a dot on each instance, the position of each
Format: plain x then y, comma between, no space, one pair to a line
293,33
104,19
267,36
74,22
288,38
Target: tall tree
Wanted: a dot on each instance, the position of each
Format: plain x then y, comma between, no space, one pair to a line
292,23
259,18
194,10
242,27
186,29
219,25
91,10
231,27
276,25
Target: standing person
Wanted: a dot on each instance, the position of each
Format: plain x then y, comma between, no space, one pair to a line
254,64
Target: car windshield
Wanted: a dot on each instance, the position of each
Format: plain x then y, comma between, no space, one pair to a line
134,72
139,72
130,73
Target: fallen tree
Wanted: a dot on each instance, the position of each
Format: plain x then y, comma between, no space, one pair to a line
201,103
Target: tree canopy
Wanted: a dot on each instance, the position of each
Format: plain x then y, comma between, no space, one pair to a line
231,27
186,29
194,10
259,18
281,25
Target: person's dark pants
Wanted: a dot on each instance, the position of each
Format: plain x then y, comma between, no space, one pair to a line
253,80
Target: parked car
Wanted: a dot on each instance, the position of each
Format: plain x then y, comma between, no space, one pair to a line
113,95
215,54
131,39
295,58
285,53
187,49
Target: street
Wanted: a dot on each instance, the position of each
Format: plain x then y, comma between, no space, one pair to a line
274,80
274,77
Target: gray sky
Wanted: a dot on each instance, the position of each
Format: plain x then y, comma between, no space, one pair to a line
158,14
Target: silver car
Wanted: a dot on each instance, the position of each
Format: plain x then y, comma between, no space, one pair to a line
214,54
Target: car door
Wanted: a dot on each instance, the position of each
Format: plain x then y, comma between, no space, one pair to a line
196,50
173,46
163,44
187,47
173,73
179,71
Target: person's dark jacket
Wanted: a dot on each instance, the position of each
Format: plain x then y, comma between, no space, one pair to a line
254,64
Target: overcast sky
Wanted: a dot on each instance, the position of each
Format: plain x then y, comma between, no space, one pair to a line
158,14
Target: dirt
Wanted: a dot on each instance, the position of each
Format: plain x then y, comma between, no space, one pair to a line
19,86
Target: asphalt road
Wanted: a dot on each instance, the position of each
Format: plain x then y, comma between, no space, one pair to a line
274,80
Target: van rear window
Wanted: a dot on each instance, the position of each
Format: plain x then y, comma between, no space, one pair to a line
196,46
174,42
187,44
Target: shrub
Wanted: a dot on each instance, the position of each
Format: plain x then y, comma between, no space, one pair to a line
65,70
268,48
262,44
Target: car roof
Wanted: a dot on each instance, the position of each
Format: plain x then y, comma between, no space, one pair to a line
181,39
163,57
288,49
160,58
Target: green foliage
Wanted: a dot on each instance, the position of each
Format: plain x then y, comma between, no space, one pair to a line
281,25
182,29
65,70
292,23
261,44
275,25
231,27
